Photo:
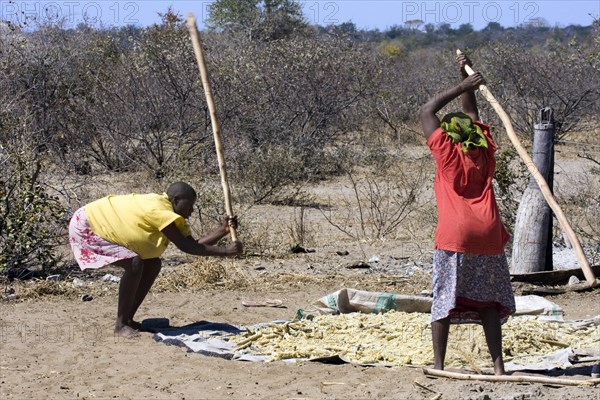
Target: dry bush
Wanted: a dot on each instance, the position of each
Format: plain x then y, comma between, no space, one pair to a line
407,83
273,174
285,105
510,180
526,80
579,196
299,230
265,237
381,202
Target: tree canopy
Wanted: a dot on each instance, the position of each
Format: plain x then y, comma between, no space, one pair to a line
258,19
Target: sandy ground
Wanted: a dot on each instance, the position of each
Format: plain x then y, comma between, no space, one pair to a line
60,347
54,347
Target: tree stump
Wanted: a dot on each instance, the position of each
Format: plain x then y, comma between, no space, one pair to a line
532,241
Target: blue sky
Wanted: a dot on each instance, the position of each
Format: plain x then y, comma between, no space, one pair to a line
367,14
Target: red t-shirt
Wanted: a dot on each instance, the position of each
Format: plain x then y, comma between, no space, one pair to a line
468,216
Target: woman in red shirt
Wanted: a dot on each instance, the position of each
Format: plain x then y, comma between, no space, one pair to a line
471,281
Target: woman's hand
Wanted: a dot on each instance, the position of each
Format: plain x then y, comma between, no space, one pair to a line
235,248
472,82
230,222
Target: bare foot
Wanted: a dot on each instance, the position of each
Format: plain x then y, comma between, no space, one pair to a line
126,332
499,370
499,367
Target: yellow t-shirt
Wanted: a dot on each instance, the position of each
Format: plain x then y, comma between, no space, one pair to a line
135,221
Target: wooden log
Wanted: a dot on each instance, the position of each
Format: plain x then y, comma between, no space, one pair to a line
511,378
553,277
578,287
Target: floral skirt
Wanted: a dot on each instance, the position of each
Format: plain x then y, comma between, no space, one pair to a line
89,249
464,283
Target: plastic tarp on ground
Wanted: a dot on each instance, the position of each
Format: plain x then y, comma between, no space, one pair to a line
212,338
352,300
205,337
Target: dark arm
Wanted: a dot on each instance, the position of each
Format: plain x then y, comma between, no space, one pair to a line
201,247
219,233
467,98
213,237
429,121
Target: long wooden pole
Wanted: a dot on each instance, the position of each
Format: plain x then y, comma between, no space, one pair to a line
213,116
564,223
511,378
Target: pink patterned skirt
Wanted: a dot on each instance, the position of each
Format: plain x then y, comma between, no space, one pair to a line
89,249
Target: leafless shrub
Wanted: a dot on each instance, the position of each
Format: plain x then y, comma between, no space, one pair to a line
265,238
527,80
274,174
407,83
580,198
305,96
299,230
510,180
378,204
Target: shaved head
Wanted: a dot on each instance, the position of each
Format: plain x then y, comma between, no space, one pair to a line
181,190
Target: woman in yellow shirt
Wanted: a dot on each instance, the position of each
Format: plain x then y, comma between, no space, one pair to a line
132,231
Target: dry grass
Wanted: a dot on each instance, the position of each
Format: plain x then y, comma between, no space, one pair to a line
36,289
204,274
209,273
199,274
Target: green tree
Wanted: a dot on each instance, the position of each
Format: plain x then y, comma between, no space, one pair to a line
344,29
258,19
445,29
414,24
493,27
465,29
31,219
